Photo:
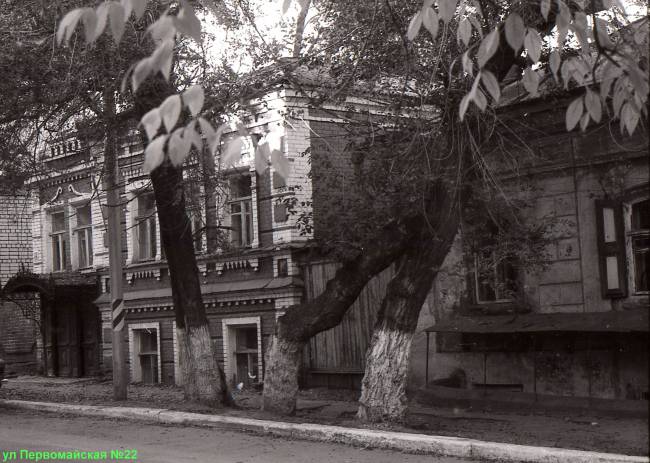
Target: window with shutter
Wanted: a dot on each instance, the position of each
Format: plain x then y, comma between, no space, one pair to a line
611,248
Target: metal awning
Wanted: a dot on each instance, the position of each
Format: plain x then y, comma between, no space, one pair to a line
623,321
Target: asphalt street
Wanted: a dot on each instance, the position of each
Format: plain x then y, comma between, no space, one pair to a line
156,443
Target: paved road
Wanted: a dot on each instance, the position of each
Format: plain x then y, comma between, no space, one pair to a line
161,444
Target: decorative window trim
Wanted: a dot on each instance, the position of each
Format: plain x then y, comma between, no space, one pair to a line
228,322
178,378
143,326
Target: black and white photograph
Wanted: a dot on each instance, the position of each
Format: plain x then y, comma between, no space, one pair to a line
307,231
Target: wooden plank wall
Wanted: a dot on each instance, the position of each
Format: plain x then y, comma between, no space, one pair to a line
342,349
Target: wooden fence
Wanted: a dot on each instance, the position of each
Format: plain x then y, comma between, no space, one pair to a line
336,357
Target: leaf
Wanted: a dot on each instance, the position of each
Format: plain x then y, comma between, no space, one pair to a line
153,154
179,147
280,164
128,7
584,121
619,97
605,87
446,8
162,58
562,21
592,102
193,136
140,73
573,113
68,24
285,6
89,19
102,20
210,135
464,31
544,8
515,31
467,64
262,155
151,122
464,104
187,23
531,81
629,117
232,153
163,28
414,26
170,109
116,15
638,78
554,61
488,47
533,44
603,35
139,7
491,85
476,24
480,100
193,98
430,21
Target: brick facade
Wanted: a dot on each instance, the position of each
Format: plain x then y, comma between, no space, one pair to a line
19,340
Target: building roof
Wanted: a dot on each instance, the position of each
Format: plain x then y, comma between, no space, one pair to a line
624,321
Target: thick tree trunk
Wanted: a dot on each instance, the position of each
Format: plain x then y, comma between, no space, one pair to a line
383,388
303,321
281,380
201,376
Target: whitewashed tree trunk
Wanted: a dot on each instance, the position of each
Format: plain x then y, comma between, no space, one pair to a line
383,392
281,381
383,388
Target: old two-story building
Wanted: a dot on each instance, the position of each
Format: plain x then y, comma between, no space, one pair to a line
577,327
256,269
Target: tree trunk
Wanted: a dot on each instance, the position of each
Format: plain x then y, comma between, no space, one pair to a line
300,28
281,379
383,388
303,321
201,376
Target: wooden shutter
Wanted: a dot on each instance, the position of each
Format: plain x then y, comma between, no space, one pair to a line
611,248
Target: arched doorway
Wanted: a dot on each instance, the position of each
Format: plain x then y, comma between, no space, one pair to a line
69,321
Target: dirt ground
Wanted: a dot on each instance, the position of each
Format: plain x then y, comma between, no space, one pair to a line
584,432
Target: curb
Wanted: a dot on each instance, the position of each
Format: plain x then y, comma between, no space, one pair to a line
405,442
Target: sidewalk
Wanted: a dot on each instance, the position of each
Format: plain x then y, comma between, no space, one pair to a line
321,417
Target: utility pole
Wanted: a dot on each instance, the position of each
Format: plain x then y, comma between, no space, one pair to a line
114,206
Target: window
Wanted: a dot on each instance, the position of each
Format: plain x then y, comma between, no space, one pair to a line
59,238
146,227
280,214
241,215
84,232
144,352
283,268
494,278
640,239
246,355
